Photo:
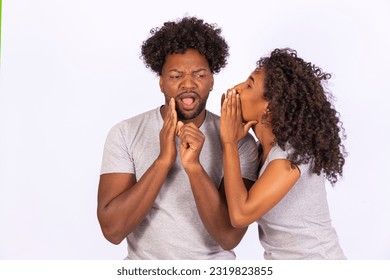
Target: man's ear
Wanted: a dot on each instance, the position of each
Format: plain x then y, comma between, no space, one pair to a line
161,83
212,84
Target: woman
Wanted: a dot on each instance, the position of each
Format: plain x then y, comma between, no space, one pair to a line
285,103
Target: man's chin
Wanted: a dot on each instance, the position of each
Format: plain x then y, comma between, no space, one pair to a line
189,115
186,113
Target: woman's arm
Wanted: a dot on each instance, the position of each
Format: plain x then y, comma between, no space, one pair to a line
279,177
245,207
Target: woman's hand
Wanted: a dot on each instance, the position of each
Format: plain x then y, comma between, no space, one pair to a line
232,127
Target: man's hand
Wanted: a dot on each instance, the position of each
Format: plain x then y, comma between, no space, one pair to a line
191,143
168,151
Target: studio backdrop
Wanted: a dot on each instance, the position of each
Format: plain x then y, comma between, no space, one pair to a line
71,69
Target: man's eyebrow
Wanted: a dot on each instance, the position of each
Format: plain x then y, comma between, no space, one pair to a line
175,70
195,71
200,69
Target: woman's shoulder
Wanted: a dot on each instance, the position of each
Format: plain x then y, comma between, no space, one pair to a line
277,152
283,153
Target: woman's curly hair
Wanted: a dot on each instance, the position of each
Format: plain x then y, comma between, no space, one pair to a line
177,37
302,114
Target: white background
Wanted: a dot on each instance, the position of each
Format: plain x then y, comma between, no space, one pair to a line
70,70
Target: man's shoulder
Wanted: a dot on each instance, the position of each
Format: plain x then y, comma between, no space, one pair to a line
210,124
212,120
211,116
140,118
145,115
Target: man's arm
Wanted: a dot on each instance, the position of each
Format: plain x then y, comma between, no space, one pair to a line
210,202
122,201
213,209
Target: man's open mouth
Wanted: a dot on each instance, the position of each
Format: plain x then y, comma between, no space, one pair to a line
188,99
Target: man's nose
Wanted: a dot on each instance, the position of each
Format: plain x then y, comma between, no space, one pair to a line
188,81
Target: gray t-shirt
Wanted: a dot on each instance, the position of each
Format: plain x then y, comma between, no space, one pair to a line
299,226
172,229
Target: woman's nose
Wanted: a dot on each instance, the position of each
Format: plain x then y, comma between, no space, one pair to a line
237,88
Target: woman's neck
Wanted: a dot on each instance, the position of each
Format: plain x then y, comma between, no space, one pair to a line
266,139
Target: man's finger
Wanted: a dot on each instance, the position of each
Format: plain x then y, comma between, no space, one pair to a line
179,127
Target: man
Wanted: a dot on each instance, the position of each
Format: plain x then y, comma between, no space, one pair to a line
161,184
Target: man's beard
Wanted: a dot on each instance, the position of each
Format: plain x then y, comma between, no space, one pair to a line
182,115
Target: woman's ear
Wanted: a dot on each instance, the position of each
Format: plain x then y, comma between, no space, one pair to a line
266,118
